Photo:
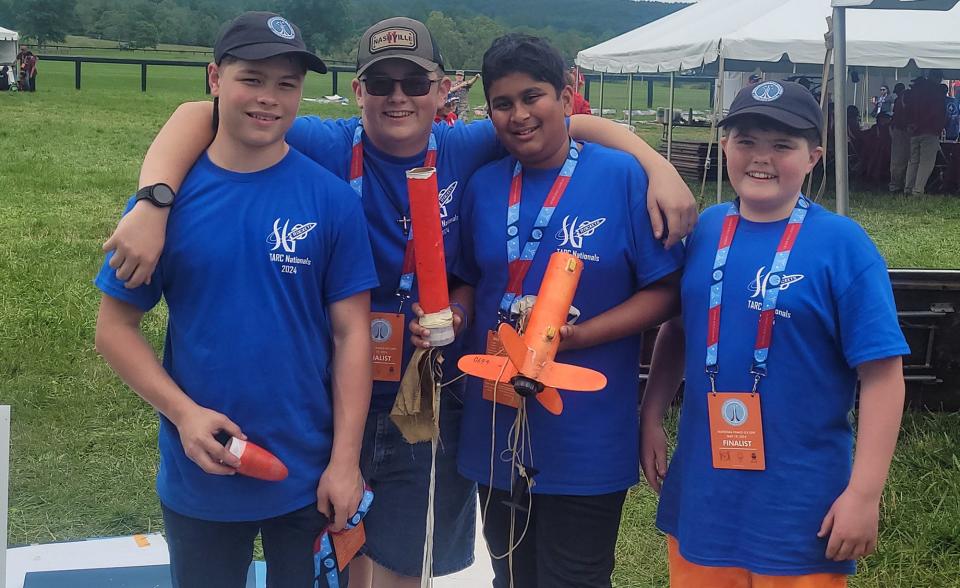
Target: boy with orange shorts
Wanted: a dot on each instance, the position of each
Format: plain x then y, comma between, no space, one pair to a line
762,491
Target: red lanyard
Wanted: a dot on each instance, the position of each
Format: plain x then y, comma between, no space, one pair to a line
520,260
761,348
356,182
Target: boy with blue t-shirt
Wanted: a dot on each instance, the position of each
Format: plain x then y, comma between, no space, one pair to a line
266,279
784,305
580,463
399,85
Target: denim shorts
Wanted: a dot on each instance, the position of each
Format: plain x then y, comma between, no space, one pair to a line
399,474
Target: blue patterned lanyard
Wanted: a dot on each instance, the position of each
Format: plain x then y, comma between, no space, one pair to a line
325,568
520,262
761,348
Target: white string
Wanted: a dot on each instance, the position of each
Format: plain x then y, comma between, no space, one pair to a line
426,571
519,434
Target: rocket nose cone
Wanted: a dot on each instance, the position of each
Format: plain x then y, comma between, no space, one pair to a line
257,462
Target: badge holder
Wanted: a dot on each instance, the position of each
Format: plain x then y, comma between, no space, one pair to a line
736,428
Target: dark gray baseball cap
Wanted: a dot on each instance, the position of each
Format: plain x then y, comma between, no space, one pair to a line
261,35
788,103
399,38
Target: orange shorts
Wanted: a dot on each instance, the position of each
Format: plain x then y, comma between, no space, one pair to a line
684,574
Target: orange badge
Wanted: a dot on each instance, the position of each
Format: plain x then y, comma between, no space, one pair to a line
505,394
736,431
347,543
387,332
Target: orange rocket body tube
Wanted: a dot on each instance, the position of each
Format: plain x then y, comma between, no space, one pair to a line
431,266
542,333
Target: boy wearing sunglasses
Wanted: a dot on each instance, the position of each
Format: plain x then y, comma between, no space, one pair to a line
399,85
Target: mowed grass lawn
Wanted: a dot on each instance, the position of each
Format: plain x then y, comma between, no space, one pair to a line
83,446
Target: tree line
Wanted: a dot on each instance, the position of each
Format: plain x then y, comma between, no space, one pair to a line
464,28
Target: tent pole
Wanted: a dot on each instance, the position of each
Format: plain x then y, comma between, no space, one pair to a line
630,101
670,120
601,94
4,488
840,108
720,98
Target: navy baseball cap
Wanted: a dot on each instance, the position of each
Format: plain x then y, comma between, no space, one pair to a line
261,35
787,103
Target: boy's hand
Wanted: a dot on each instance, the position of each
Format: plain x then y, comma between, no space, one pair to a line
419,335
653,452
671,205
852,525
339,493
137,243
197,428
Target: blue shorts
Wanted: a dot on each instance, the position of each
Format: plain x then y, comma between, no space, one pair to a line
399,474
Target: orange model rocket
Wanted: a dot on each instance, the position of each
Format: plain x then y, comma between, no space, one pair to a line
431,264
255,461
529,364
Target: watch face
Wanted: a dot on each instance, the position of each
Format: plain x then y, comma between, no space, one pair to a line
163,195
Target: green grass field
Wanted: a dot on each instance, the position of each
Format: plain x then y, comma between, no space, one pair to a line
83,446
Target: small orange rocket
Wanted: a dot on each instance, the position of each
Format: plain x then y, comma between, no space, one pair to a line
529,364
255,461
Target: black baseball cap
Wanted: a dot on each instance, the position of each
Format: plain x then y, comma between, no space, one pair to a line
399,38
787,103
261,35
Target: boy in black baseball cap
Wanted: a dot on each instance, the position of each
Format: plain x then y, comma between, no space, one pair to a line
762,488
268,334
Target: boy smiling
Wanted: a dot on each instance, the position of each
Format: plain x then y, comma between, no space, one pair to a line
237,358
587,456
785,305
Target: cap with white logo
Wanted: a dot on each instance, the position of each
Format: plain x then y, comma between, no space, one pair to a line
399,38
260,35
787,103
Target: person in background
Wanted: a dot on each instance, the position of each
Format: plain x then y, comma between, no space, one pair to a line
899,139
580,104
30,71
883,104
461,91
447,113
952,107
927,117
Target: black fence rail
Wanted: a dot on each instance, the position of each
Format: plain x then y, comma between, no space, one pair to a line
79,60
65,48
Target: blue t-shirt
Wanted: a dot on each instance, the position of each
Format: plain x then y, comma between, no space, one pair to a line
835,311
461,149
591,448
952,128
251,263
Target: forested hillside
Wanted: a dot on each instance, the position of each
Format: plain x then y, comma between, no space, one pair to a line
464,28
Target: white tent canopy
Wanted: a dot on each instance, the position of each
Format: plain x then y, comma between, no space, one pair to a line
8,45
770,30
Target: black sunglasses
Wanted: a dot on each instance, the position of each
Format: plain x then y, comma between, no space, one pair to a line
412,86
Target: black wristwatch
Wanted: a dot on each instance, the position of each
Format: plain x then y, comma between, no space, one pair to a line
160,195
